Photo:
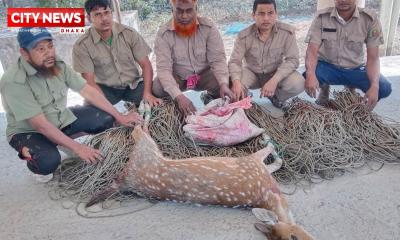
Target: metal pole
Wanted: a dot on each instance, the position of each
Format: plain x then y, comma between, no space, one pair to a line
393,21
117,8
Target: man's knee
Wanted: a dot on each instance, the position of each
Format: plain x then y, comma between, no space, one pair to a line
44,162
158,90
103,121
294,83
385,88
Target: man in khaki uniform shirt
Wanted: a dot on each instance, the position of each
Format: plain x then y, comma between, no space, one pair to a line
34,96
190,55
106,56
271,57
335,53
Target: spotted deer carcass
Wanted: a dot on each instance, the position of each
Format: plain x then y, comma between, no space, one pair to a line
227,181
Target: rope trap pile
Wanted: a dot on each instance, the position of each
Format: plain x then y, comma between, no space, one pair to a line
315,143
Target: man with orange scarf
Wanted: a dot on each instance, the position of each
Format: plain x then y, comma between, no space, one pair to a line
190,55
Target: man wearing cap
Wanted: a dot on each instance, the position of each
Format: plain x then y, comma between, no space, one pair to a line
107,56
190,54
34,96
271,57
335,53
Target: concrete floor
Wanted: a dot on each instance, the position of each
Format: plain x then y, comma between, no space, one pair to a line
359,205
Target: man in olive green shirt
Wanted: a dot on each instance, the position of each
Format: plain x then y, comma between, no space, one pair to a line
107,56
34,96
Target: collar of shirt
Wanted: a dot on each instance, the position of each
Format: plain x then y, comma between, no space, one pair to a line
29,69
116,29
335,14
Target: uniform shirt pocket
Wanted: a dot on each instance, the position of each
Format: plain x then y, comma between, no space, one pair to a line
42,94
330,45
200,54
276,55
103,67
355,43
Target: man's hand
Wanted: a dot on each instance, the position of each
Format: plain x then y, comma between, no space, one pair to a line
371,97
152,100
88,154
225,91
312,85
238,90
185,105
130,119
269,88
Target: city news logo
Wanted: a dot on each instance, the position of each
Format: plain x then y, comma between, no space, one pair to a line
68,20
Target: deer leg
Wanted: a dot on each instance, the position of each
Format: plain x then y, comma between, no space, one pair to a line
277,203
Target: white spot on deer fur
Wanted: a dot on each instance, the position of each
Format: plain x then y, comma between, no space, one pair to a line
164,174
195,179
242,193
163,184
229,199
185,187
205,167
217,188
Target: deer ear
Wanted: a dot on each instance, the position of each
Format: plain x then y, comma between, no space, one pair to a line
265,216
264,228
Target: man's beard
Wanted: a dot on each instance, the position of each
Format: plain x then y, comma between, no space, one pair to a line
47,71
185,31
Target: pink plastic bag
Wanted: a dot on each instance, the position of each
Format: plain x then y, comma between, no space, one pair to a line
221,124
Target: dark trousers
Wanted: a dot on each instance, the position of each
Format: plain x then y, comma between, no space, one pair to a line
329,74
45,157
114,95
